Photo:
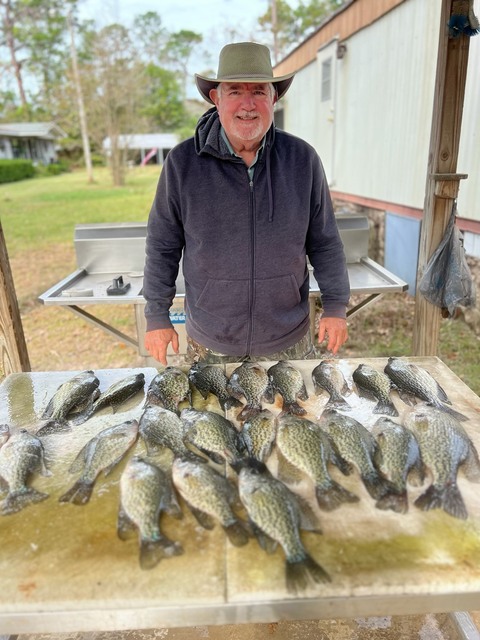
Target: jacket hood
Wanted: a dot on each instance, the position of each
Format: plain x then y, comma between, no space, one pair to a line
208,139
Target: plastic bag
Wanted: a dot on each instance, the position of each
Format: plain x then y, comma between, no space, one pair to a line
447,281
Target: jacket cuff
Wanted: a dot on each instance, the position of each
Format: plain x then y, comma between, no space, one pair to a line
334,310
159,322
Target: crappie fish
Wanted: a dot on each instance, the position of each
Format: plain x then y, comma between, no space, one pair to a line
20,456
308,448
356,445
251,381
160,427
116,394
287,380
76,393
101,453
259,433
397,455
209,496
169,388
417,381
376,384
208,378
274,511
328,377
145,492
444,447
214,435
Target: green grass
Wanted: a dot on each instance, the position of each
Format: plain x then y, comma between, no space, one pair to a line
36,213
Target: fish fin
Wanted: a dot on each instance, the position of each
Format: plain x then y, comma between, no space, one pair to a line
18,500
337,402
300,572
286,471
406,397
333,497
293,408
308,518
153,551
385,407
204,519
229,403
248,412
79,460
397,502
79,494
237,533
447,498
53,426
455,414
125,526
265,542
377,486
471,465
303,393
83,416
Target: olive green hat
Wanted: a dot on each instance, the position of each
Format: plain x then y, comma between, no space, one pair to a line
244,62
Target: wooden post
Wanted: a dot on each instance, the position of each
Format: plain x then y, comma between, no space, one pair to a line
13,349
442,180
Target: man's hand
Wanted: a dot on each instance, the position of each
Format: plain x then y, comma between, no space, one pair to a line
156,343
335,329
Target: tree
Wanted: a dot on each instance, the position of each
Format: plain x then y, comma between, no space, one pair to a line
178,51
163,105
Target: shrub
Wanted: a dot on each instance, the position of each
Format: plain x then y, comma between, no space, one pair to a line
13,170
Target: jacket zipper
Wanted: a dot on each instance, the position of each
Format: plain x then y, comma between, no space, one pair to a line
252,269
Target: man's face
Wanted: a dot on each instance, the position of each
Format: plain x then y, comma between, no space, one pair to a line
245,110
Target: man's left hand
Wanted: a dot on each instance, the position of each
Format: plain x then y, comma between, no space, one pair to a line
335,331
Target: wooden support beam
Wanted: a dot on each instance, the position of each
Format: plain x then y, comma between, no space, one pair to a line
13,349
442,178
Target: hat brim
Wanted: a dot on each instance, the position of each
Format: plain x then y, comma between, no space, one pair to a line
204,85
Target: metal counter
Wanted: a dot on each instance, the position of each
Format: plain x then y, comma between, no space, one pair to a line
64,568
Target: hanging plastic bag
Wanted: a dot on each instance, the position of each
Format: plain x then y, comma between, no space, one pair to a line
447,281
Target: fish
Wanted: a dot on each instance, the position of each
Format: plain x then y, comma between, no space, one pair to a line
169,388
328,377
162,428
288,381
100,453
208,378
78,392
444,446
417,381
116,394
308,448
214,435
275,513
377,385
21,456
398,458
145,492
259,434
356,445
210,497
250,380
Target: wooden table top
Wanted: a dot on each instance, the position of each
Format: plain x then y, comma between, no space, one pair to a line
63,568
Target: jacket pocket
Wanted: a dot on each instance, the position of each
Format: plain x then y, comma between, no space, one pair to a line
279,308
222,309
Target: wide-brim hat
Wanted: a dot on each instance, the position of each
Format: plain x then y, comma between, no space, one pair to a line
244,62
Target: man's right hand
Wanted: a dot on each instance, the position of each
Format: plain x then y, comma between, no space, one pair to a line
157,341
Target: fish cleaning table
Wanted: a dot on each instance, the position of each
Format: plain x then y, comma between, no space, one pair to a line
64,569
111,256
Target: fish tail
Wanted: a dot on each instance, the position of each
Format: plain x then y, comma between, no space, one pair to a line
337,402
53,426
332,497
456,414
293,408
237,533
386,407
152,551
299,573
18,500
377,486
397,502
229,403
447,498
79,494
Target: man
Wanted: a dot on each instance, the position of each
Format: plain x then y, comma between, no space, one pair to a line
246,204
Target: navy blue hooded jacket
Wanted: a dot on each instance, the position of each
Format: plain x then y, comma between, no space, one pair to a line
244,242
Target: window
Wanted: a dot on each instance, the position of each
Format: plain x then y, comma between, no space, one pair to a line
326,80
